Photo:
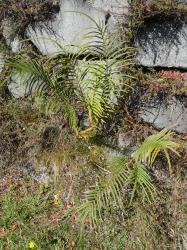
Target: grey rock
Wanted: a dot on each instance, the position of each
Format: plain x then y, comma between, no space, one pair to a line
9,33
16,44
7,29
162,175
111,153
1,61
43,177
171,114
124,141
162,43
125,144
69,27
16,87
38,173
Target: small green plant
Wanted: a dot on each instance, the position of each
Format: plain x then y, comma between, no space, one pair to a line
127,176
92,85
155,144
122,176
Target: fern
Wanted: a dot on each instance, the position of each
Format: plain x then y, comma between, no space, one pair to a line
153,145
141,183
122,176
99,197
127,174
92,83
103,79
50,81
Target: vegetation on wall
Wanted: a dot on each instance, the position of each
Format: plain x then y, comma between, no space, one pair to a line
76,166
22,13
91,86
142,11
66,190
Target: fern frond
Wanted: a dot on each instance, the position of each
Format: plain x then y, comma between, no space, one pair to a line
141,183
109,191
87,133
129,175
98,198
51,82
96,83
153,145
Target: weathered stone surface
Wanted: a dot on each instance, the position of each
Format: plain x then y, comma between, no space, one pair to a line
9,33
162,43
126,144
16,44
171,114
7,29
68,27
1,61
17,86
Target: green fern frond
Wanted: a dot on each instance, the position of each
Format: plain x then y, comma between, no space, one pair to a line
70,114
109,190
122,176
130,175
96,83
141,183
153,145
50,80
47,106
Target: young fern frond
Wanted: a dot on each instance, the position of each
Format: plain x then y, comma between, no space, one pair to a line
130,175
153,145
109,190
50,81
122,176
141,183
100,76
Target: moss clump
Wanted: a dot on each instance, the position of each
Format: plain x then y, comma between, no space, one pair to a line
142,11
22,13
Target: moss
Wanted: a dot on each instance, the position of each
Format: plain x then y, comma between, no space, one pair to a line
22,13
142,11
170,81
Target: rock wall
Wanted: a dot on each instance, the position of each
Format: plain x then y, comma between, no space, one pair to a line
69,25
171,114
160,42
1,61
